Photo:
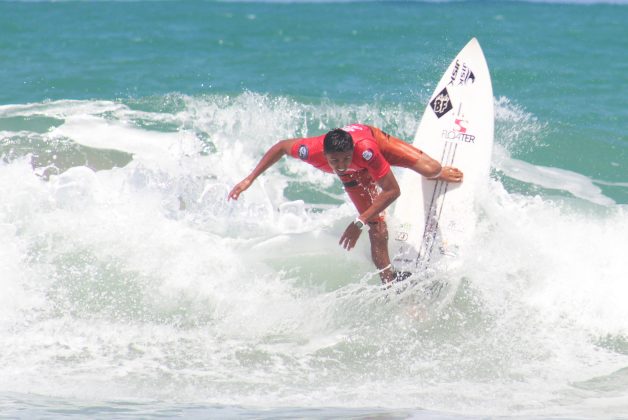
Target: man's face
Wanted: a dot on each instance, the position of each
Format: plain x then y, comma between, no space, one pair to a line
339,161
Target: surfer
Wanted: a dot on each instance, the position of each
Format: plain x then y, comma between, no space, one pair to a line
362,157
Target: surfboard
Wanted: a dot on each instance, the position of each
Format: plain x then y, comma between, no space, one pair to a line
433,220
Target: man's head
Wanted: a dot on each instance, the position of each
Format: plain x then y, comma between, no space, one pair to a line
337,140
338,149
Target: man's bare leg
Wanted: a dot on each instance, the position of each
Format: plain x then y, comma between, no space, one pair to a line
378,234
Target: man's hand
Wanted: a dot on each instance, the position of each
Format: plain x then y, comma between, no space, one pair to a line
239,189
450,174
350,237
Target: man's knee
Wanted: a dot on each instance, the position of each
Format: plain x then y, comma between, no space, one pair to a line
378,231
378,234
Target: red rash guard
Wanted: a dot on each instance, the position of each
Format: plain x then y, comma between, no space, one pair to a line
366,152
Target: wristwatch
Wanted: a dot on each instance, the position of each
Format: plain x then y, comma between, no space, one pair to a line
359,223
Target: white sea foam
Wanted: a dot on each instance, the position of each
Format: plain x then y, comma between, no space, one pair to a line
98,133
142,281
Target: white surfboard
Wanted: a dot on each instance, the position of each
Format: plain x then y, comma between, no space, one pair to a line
433,220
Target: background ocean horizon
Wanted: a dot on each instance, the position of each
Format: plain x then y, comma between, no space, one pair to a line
132,289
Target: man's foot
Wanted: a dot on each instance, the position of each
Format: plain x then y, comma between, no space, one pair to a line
401,276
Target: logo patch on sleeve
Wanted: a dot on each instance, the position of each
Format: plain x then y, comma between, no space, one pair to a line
303,152
367,154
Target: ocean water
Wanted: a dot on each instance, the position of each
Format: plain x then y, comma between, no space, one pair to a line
130,287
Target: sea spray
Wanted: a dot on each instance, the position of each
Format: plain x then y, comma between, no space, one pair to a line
137,279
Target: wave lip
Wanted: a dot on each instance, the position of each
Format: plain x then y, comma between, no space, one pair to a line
552,178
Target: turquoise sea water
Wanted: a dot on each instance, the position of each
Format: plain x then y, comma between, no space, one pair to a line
132,289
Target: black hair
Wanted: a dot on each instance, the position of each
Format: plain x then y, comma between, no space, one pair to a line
337,140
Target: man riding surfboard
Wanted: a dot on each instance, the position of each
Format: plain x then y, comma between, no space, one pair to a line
361,156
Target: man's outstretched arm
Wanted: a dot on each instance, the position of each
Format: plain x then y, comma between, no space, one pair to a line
271,157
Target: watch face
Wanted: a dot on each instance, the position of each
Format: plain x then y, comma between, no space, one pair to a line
359,223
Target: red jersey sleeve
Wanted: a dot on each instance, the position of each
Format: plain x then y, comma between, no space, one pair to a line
294,150
310,150
370,157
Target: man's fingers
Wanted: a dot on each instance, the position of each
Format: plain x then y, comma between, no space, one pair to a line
452,174
347,242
